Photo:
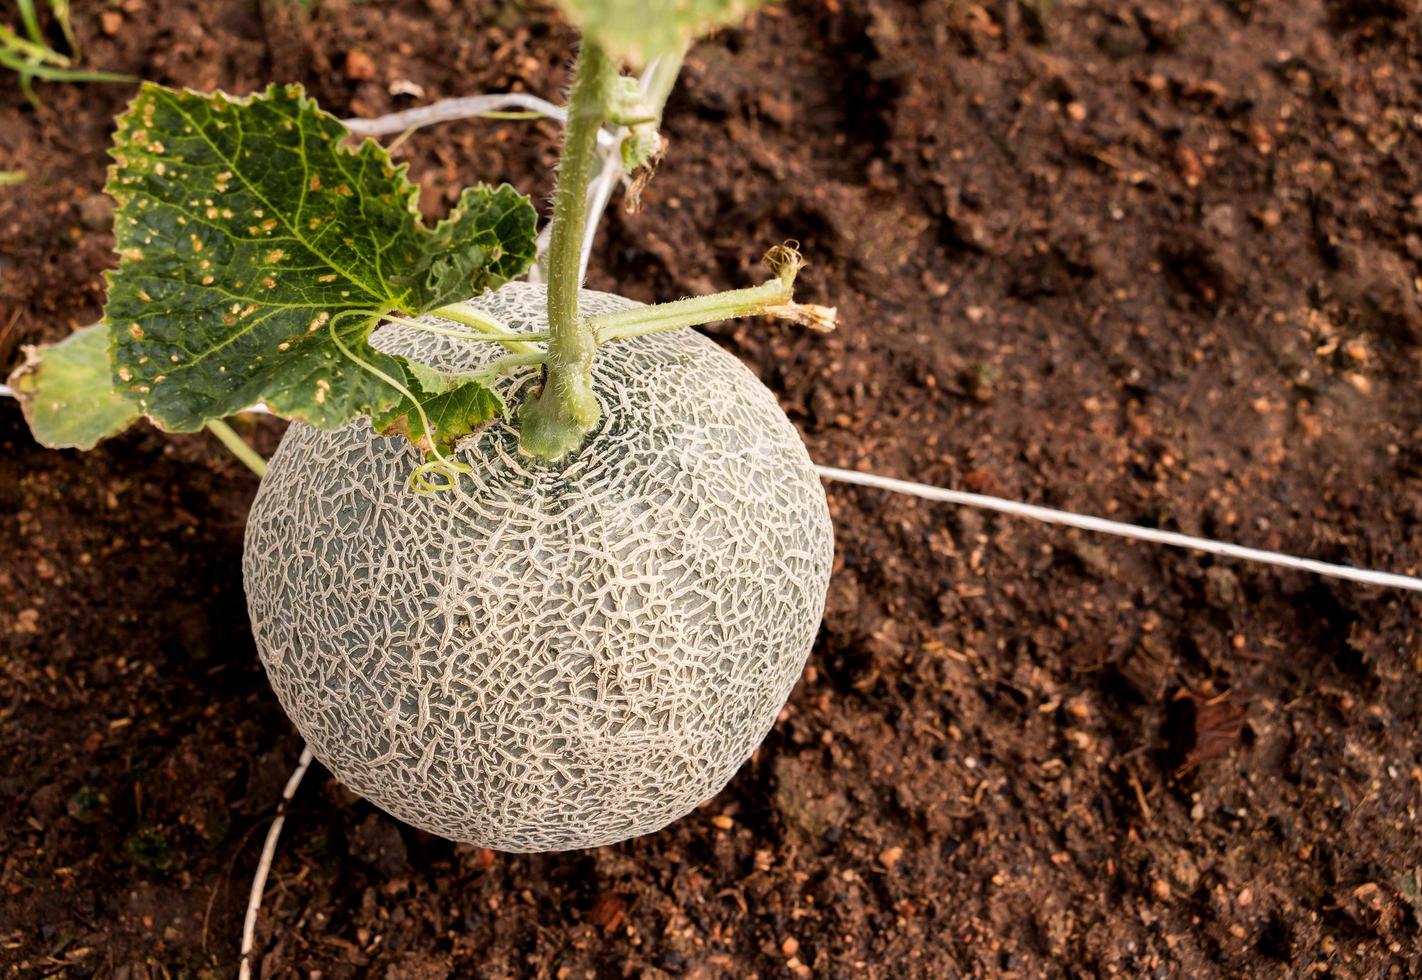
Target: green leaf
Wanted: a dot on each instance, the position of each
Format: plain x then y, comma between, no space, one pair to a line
433,381
454,404
254,246
66,393
487,240
639,30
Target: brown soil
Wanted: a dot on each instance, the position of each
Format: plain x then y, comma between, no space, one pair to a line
1153,260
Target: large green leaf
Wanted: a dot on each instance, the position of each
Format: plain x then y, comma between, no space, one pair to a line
254,246
66,393
639,30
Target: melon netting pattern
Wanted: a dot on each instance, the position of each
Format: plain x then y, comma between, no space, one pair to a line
549,656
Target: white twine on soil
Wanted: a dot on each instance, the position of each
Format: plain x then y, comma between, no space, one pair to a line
1120,529
264,865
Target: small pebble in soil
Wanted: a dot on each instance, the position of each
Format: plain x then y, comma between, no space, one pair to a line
359,66
96,212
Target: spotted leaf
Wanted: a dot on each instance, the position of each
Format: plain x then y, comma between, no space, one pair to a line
257,251
66,393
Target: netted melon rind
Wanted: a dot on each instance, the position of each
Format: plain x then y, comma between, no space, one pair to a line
548,657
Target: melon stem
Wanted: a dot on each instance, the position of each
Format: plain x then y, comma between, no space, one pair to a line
557,420
774,298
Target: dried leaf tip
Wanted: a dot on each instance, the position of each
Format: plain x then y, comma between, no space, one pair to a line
821,319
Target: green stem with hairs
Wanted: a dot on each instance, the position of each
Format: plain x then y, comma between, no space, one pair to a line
775,297
565,411
642,320
510,362
240,449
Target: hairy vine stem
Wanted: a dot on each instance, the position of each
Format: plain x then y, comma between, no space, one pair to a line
555,422
238,447
655,85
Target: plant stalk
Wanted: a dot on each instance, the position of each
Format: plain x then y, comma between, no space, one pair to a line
775,298
475,319
557,420
501,366
240,449
642,320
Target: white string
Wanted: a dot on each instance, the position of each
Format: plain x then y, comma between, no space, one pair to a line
450,110
599,194
1100,525
264,866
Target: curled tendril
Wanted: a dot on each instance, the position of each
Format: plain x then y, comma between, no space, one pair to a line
437,476
785,261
